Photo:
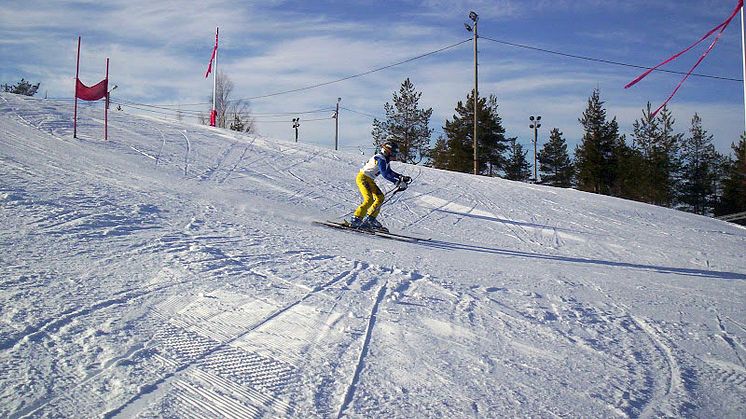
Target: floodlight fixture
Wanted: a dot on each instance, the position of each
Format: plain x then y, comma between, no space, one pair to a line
473,16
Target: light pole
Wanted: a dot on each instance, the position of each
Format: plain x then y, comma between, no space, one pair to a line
535,125
475,18
296,124
743,61
336,130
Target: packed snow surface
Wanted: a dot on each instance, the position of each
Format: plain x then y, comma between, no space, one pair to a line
174,271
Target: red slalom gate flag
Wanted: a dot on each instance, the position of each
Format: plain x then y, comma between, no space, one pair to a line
95,92
719,29
214,51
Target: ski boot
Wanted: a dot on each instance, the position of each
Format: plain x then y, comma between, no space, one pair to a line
355,222
372,224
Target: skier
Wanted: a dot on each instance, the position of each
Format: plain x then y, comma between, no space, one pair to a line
372,195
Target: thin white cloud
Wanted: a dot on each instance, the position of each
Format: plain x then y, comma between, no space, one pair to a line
159,52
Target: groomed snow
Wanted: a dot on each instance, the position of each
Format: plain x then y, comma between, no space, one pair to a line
174,271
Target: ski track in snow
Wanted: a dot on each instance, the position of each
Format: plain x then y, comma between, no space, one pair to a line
174,272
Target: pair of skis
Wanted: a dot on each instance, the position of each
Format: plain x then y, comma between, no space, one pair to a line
379,233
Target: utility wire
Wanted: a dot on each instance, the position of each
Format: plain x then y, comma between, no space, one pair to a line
169,107
170,112
365,73
288,122
142,106
599,60
300,89
145,109
321,110
361,113
133,104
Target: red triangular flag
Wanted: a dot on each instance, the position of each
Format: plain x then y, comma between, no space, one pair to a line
214,51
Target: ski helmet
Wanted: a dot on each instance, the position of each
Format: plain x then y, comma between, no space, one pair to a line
390,149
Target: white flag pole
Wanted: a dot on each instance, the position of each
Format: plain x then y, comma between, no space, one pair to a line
214,116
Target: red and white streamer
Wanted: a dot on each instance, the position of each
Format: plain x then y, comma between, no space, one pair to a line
719,29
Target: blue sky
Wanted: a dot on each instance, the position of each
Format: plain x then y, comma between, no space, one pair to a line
159,52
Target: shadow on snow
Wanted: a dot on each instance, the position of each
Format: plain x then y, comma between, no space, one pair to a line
702,273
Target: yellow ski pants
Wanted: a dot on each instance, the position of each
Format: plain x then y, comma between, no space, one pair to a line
372,196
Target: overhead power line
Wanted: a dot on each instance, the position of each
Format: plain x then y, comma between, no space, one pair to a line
365,73
172,112
290,113
314,86
600,60
169,110
285,121
161,107
170,107
147,108
361,113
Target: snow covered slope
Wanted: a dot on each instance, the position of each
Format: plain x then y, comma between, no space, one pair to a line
174,271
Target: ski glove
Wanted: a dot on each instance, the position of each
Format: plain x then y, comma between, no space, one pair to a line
405,179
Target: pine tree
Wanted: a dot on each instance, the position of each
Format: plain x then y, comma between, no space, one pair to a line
628,171
555,165
440,154
517,167
699,172
667,159
597,157
237,124
456,151
22,88
600,157
734,184
406,124
658,148
644,139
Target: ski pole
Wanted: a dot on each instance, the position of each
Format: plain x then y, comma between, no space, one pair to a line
386,200
396,191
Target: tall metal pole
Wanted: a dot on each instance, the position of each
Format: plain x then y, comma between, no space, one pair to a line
215,80
336,130
536,135
75,112
106,104
743,58
535,125
476,93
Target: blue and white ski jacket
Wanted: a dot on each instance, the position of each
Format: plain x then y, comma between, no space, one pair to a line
379,164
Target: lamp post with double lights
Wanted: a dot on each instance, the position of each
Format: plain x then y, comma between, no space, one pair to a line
535,125
296,124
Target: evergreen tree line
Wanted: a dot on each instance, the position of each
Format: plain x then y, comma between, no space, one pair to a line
661,166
